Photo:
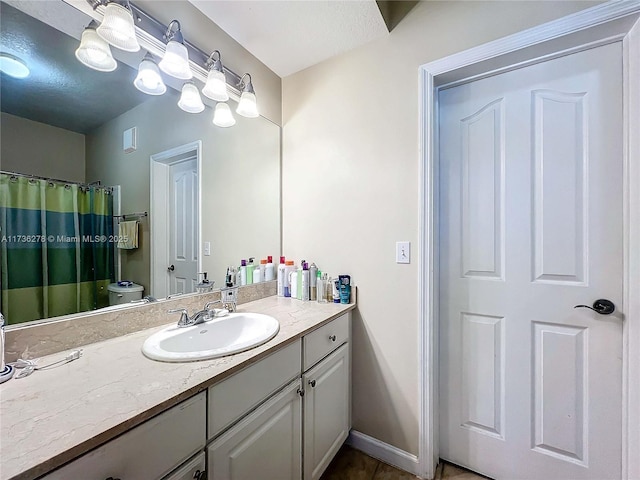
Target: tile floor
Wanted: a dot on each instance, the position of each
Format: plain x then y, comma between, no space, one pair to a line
351,464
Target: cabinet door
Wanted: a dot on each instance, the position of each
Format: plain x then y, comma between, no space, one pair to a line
266,444
327,407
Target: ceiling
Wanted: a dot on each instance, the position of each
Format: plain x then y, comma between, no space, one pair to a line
291,35
60,91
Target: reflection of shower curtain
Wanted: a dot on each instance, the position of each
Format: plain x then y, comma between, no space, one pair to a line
57,248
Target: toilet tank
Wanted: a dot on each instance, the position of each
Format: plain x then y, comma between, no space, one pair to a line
119,294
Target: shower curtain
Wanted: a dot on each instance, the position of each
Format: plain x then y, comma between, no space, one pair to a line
56,242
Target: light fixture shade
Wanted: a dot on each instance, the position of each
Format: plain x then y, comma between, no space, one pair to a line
13,66
94,52
247,106
117,28
176,61
222,116
216,86
149,80
190,100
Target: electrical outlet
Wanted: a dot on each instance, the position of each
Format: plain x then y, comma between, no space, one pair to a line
207,248
403,252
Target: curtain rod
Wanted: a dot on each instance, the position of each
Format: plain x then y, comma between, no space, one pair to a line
56,180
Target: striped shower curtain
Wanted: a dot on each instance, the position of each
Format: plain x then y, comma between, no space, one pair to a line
57,248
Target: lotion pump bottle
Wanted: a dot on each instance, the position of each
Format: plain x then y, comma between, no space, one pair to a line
270,270
281,275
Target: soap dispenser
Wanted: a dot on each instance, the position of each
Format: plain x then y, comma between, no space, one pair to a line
205,285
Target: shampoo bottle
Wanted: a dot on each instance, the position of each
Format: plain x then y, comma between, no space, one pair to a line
286,281
270,270
243,272
293,281
281,272
250,268
313,282
258,271
305,282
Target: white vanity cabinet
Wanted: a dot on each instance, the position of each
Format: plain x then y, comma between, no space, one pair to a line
327,399
266,444
149,451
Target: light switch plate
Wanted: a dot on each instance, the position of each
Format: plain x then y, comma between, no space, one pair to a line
207,248
403,252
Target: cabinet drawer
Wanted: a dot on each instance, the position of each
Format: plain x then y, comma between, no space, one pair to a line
234,397
321,342
148,451
193,469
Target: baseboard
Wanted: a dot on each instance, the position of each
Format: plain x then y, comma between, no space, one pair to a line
384,452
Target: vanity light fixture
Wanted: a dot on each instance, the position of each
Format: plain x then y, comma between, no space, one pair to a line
175,61
247,106
190,100
117,27
94,52
222,116
149,80
13,66
216,86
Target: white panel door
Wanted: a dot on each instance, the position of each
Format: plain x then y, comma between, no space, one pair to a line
183,227
530,226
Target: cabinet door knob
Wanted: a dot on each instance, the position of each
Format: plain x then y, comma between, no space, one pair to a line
332,338
300,392
200,475
312,383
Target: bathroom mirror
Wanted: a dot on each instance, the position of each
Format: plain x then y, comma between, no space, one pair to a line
72,128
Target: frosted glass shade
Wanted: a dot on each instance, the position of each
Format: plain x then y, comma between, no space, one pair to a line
190,100
222,116
117,28
176,61
94,52
149,80
13,66
247,107
216,86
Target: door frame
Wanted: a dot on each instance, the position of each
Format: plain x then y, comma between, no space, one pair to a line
160,164
599,25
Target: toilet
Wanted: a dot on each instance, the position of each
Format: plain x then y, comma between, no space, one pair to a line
120,294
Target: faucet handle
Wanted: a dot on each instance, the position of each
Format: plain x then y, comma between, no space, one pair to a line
184,315
212,302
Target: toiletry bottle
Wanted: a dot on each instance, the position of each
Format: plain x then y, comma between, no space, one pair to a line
270,270
313,282
328,290
335,284
305,282
320,287
263,269
286,281
293,281
345,288
243,272
281,271
250,269
257,272
299,281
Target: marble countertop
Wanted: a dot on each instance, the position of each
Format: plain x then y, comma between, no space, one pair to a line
58,414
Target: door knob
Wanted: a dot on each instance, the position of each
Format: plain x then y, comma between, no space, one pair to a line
601,306
171,268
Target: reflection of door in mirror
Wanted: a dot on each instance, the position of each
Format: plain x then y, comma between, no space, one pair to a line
175,220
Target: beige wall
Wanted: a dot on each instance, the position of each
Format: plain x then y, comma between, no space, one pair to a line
350,187
240,177
36,148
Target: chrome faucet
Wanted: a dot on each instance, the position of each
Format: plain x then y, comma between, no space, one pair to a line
186,320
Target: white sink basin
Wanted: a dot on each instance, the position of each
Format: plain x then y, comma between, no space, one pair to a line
232,333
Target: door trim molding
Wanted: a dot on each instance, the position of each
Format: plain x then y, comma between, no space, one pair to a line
606,23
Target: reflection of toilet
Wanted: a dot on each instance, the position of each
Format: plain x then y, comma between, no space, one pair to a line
119,295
